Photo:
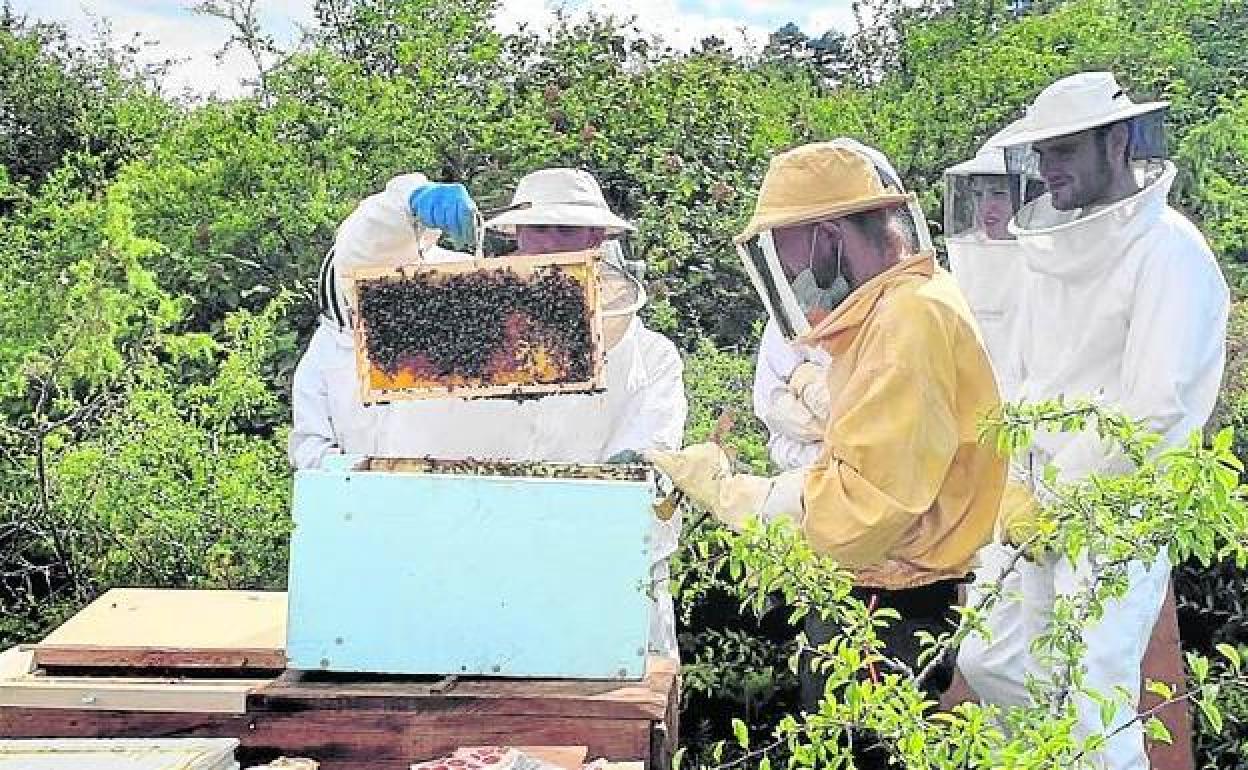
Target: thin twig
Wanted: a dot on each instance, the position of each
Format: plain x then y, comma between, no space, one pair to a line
777,743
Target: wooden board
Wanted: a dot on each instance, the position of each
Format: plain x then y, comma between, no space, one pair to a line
22,685
368,740
130,754
356,739
172,629
379,725
1163,662
644,700
25,722
367,372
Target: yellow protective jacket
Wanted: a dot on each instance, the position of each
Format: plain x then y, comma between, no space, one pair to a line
903,493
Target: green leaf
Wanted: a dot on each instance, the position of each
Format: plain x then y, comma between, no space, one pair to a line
678,757
1200,668
1160,689
741,732
1157,731
1212,714
1224,439
1231,654
1108,708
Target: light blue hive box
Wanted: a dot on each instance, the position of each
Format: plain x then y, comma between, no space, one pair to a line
443,574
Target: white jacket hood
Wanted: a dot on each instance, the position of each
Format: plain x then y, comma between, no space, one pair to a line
1069,247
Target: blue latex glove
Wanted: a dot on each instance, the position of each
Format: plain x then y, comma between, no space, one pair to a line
626,457
447,207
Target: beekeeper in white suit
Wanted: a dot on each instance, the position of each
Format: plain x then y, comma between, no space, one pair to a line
560,210
1123,302
790,394
981,197
329,416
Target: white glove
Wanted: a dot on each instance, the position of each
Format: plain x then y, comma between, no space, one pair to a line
799,410
705,474
809,384
793,419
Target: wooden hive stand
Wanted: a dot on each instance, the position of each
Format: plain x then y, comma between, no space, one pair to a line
157,676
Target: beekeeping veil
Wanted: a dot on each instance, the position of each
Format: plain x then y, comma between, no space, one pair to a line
814,183
567,197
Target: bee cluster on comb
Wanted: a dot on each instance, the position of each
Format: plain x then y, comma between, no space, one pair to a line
521,326
512,469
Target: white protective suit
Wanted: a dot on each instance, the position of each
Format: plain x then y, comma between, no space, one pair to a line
777,358
644,406
991,274
989,271
1126,304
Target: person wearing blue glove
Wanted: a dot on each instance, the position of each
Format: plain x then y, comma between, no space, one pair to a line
554,210
328,414
448,207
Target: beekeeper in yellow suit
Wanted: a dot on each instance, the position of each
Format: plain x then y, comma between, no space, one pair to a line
903,493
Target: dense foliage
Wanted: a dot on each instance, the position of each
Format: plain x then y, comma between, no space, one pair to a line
158,257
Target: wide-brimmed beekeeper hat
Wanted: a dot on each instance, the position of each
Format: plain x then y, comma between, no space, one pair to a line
1074,104
559,196
817,182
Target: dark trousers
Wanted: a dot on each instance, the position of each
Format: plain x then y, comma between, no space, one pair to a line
924,608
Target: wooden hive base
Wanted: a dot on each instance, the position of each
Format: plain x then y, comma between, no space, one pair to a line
137,629
377,723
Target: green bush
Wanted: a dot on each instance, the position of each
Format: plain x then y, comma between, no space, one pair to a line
61,102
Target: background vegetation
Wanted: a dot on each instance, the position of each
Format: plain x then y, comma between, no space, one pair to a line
158,257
